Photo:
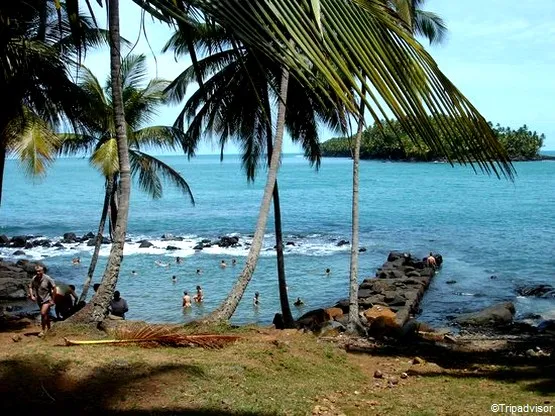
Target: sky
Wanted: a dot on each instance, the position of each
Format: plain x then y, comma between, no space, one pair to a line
499,53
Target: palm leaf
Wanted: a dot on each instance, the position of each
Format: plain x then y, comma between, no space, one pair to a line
105,157
147,170
159,335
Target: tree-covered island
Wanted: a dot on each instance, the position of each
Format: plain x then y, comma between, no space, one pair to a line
392,143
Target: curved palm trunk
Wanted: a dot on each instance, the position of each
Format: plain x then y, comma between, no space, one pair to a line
98,241
354,321
113,209
228,306
2,166
97,309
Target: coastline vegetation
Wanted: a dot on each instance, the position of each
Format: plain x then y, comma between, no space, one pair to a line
391,142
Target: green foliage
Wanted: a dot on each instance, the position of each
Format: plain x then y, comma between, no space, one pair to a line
391,142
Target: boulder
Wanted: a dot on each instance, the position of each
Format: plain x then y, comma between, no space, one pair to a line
313,320
145,244
18,241
172,248
539,291
342,243
362,249
29,266
334,313
106,240
13,288
69,238
198,247
382,314
18,253
227,241
332,328
4,240
499,314
290,243
88,236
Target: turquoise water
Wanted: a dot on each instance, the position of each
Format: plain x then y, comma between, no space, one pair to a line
481,225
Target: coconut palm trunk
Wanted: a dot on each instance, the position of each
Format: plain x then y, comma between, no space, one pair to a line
97,309
98,240
229,305
354,321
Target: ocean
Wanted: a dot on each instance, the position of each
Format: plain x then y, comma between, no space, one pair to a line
482,226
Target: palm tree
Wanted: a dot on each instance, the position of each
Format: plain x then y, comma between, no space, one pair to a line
235,103
420,23
140,100
37,52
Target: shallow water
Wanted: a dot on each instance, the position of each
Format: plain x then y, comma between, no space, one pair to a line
482,226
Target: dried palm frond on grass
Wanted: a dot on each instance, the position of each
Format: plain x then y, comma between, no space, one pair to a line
160,335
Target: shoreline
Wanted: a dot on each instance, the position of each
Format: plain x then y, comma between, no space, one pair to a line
540,158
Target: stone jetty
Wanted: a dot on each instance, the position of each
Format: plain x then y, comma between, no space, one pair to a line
398,287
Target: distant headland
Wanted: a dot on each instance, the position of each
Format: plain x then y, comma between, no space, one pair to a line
392,143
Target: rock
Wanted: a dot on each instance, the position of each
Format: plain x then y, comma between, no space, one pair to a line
394,381
69,238
378,374
59,245
227,241
451,282
362,249
417,360
106,240
539,291
333,313
198,247
313,320
499,314
547,326
290,243
16,338
4,240
205,241
145,244
88,236
18,253
278,321
331,328
381,320
18,241
14,288
404,375
167,237
172,248
342,243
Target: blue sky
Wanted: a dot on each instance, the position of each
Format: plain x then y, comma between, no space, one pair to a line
499,53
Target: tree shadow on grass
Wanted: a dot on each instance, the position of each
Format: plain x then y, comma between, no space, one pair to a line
508,364
41,386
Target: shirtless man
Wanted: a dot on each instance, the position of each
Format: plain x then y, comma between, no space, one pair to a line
186,300
431,261
42,290
223,264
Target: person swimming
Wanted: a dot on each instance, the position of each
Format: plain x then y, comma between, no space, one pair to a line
328,272
298,302
76,260
199,271
174,279
223,264
256,299
233,262
133,272
161,264
178,260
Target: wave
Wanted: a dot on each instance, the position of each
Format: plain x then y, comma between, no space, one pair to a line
186,246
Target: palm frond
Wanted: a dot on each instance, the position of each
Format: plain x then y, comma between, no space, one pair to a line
105,157
147,170
72,144
162,336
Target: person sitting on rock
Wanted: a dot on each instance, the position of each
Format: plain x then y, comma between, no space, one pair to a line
431,261
118,306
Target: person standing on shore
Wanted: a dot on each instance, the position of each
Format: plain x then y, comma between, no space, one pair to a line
42,290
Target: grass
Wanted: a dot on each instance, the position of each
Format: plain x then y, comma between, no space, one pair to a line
267,372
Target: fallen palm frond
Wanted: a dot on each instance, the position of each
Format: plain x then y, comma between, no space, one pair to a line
152,335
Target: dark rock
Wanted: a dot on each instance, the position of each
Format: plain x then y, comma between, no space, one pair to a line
499,314
228,241
332,327
539,291
397,300
343,304
91,242
198,247
59,245
18,253
145,244
42,243
362,249
278,321
451,282
4,240
290,243
18,241
105,240
313,320
396,255
69,238
342,243
365,293
28,245
206,241
13,288
547,326
172,248
88,236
